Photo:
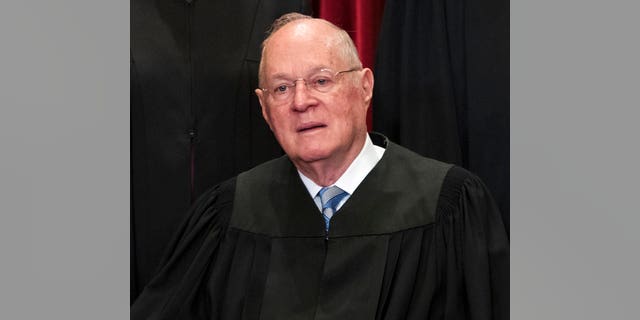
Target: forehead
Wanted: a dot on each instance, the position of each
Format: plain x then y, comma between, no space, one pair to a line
301,47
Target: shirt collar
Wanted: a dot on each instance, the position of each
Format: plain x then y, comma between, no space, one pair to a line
355,173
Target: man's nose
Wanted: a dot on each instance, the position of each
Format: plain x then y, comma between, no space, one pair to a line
302,97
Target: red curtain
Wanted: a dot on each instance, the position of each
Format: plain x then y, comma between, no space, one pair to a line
361,19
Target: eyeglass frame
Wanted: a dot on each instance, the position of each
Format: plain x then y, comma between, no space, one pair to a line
295,82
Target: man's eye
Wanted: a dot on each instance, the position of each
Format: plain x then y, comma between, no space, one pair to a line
281,89
321,82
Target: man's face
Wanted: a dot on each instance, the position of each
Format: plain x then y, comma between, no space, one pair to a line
310,125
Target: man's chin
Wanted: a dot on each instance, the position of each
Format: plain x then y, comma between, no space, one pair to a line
311,156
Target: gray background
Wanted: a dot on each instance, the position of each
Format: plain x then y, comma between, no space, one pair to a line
64,164
64,167
574,160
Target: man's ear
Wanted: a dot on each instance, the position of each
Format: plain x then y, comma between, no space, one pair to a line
367,85
265,114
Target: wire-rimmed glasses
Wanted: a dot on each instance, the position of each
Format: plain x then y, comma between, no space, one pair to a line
322,81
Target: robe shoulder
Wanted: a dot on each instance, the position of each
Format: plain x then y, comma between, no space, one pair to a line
193,247
477,243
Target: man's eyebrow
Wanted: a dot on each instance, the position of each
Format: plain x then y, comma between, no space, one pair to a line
279,76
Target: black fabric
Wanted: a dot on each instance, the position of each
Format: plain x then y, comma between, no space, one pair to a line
195,121
487,60
436,248
442,84
261,208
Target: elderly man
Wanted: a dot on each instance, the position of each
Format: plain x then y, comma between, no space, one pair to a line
347,225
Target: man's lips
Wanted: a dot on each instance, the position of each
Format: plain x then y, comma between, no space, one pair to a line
310,126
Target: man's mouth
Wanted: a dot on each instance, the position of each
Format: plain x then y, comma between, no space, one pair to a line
310,126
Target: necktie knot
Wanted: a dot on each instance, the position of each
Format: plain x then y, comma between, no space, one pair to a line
330,197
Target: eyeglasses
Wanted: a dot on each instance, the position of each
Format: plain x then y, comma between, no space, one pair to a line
322,81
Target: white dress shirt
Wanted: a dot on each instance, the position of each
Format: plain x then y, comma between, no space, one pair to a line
352,177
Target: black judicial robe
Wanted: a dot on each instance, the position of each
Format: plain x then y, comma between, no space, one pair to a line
418,239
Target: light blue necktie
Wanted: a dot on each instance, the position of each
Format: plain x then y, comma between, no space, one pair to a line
330,197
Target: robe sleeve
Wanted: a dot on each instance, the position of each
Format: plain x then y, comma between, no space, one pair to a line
177,290
477,250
